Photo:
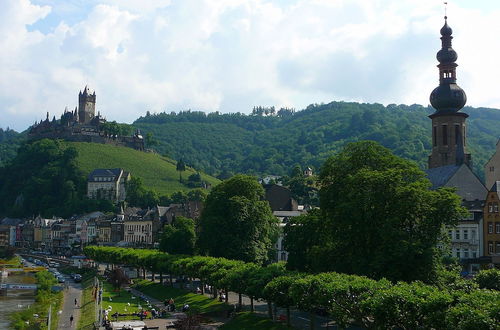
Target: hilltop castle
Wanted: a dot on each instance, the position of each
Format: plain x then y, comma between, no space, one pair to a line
83,125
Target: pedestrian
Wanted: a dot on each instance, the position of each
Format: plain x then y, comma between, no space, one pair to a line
76,303
71,320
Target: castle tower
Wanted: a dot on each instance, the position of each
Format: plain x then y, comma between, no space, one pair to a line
448,123
86,106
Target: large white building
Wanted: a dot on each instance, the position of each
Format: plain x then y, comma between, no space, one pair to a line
108,184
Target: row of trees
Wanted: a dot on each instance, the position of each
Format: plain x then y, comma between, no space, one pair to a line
377,304
138,195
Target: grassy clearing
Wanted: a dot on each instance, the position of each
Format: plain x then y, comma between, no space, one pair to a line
157,172
198,303
87,311
13,262
251,321
122,302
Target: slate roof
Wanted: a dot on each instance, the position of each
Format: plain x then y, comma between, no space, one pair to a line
439,176
105,172
11,221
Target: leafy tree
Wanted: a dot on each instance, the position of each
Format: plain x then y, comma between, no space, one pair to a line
118,278
139,196
236,223
380,218
179,237
300,239
180,167
44,179
488,279
199,195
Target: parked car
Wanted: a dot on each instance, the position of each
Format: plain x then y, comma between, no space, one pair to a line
61,279
77,278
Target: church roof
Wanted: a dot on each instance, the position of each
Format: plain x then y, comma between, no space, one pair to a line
439,176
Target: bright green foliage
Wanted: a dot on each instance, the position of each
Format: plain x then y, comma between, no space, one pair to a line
179,237
347,298
114,128
157,173
380,218
197,303
255,144
44,178
251,321
25,319
236,223
488,279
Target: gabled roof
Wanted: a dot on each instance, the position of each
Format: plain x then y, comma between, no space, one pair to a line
11,221
439,176
105,172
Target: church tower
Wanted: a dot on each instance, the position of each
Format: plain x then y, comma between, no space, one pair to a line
448,123
86,106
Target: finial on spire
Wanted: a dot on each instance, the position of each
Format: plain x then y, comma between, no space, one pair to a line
445,10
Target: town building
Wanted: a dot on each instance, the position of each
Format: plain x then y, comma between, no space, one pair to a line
492,168
108,184
491,227
83,125
449,162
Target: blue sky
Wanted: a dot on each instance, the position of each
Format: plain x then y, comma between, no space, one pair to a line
230,55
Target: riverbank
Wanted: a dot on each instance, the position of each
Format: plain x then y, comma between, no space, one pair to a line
37,313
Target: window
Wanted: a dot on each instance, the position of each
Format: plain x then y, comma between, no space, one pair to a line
466,253
434,136
445,134
450,233
466,234
497,227
495,207
457,234
473,234
492,168
490,247
458,253
490,207
457,134
490,227
498,247
474,254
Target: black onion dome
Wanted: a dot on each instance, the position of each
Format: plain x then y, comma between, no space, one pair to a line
446,29
448,98
447,55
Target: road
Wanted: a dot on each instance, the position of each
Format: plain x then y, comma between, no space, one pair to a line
72,292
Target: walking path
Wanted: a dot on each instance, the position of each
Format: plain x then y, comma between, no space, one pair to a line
73,291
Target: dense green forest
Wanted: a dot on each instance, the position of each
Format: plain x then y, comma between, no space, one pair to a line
272,142
9,143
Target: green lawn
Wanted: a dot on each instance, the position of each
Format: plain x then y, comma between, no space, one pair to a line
157,172
87,311
250,321
198,303
121,301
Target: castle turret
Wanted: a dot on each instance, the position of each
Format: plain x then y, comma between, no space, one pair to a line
448,123
86,106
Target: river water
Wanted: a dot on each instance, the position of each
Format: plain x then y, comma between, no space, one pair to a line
15,300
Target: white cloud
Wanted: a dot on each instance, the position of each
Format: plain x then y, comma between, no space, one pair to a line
231,55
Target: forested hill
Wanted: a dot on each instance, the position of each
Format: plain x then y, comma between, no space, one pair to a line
273,143
9,142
